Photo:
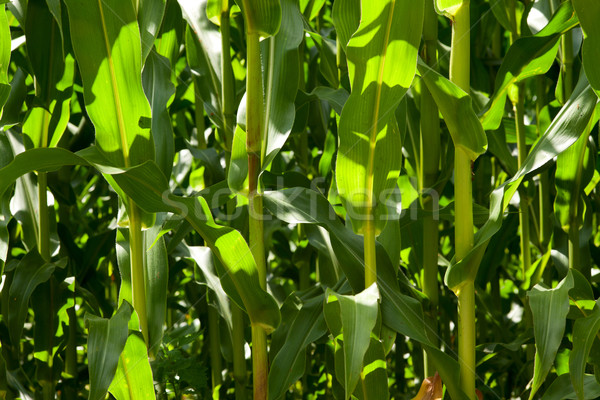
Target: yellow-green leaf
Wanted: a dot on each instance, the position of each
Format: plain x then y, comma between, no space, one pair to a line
369,154
106,40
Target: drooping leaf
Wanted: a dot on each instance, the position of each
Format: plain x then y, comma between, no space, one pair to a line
148,188
585,331
355,316
133,377
457,109
562,133
549,308
527,57
106,341
368,162
204,259
106,40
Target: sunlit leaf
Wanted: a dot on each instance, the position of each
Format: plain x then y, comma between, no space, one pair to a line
357,316
368,162
106,341
133,377
549,308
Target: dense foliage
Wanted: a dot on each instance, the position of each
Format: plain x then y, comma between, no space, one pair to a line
299,199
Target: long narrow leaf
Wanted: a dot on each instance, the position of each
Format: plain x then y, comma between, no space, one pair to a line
368,162
106,40
587,10
549,308
106,341
527,57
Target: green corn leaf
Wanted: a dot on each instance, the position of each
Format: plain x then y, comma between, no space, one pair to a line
281,80
346,18
262,16
5,50
30,272
375,382
289,363
45,51
587,11
527,57
549,308
106,40
368,162
6,156
456,107
151,192
150,15
106,341
171,33
311,8
564,130
148,188
54,73
156,80
447,7
562,388
299,205
133,377
585,332
354,317
204,259
214,9
157,278
502,11
574,170
237,175
203,52
55,8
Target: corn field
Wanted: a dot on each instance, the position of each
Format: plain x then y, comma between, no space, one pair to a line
299,199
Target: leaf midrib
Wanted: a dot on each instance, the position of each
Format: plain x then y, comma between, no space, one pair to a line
377,103
115,88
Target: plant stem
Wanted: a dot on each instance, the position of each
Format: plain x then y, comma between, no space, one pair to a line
428,174
543,192
369,248
48,384
216,365
466,338
239,358
228,81
254,111
460,60
566,59
136,254
519,109
199,117
259,362
44,221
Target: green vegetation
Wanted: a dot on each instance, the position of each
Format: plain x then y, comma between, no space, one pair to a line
299,199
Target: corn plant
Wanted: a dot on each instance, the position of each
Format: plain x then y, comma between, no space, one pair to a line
299,199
